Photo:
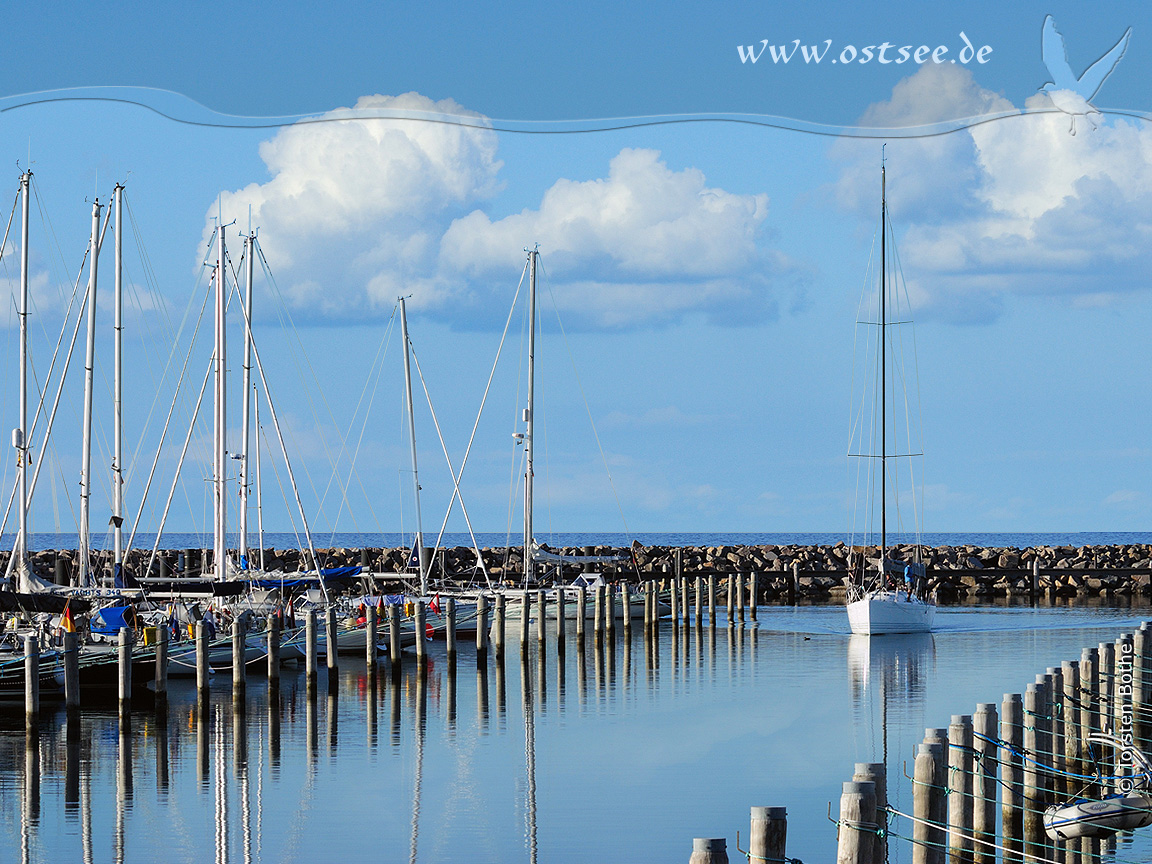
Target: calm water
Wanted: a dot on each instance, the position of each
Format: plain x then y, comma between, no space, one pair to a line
390,540
621,755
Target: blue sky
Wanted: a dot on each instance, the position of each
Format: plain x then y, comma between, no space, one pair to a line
707,273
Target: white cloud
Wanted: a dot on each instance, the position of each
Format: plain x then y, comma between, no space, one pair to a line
1011,206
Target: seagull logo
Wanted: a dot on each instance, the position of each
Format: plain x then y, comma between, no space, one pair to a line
1071,94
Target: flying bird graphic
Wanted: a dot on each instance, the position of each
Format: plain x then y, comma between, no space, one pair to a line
1071,94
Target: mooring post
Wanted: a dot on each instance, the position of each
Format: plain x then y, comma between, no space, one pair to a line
1105,679
1012,798
370,640
1054,681
1089,690
274,651
1070,672
125,668
985,729
450,628
1140,681
32,680
310,648
768,834
739,580
699,598
1034,745
610,613
927,805
598,614
541,618
856,831
239,680
729,600
422,641
72,673
394,639
581,614
709,850
876,774
675,602
711,599
201,660
1034,590
482,637
331,645
498,626
525,620
753,593
960,810
160,670
626,601
561,613
794,585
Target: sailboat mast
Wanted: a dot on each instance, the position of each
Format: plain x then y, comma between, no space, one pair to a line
530,421
249,249
259,500
23,445
418,545
89,364
118,392
883,379
219,512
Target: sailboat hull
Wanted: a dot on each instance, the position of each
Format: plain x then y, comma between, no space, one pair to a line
879,612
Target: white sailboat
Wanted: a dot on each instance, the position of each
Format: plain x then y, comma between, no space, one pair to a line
892,598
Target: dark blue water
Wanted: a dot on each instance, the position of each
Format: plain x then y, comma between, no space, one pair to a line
353,540
621,756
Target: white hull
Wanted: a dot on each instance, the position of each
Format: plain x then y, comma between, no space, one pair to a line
890,612
1098,818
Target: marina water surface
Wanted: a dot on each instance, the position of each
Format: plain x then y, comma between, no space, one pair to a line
625,752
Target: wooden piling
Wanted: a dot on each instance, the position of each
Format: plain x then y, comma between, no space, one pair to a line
1140,645
794,584
274,651
310,647
753,593
32,680
369,637
525,620
927,804
1073,733
239,678
1105,679
877,774
124,668
711,599
675,596
1089,690
739,580
450,628
985,729
768,834
729,600
1012,797
708,850
1034,745
598,614
422,641
201,660
561,625
498,626
160,676
626,600
482,636
541,618
856,831
581,613
331,644
394,639
610,613
1054,681
960,810
72,673
698,598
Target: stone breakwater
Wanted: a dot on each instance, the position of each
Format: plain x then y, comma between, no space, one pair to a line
816,573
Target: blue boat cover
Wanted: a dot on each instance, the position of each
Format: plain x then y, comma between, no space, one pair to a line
113,619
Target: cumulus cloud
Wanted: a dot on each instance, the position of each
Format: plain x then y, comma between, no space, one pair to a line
1016,206
358,211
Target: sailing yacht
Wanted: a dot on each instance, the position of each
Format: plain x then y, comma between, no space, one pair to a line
892,598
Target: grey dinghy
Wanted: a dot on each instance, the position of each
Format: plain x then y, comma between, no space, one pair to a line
1099,817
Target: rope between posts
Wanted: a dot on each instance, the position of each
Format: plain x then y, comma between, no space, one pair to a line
953,832
750,856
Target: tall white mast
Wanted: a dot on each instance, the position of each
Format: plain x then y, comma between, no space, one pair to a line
220,417
259,501
20,436
117,395
249,250
530,420
418,546
89,364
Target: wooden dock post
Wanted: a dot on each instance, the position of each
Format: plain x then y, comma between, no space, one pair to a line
331,645
729,601
794,584
32,680
1140,682
699,598
541,619
422,641
877,774
626,601
125,670
753,593
310,648
1034,587
960,810
482,640
239,669
675,602
394,647
1054,682
274,651
709,850
561,625
160,676
1012,798
581,614
598,614
1070,672
739,580
369,637
711,599
1035,744
450,629
985,729
72,674
498,629
856,832
927,805
768,834
1089,690
610,613
1105,703
525,621
202,661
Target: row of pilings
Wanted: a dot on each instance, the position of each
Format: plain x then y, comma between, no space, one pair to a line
982,784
